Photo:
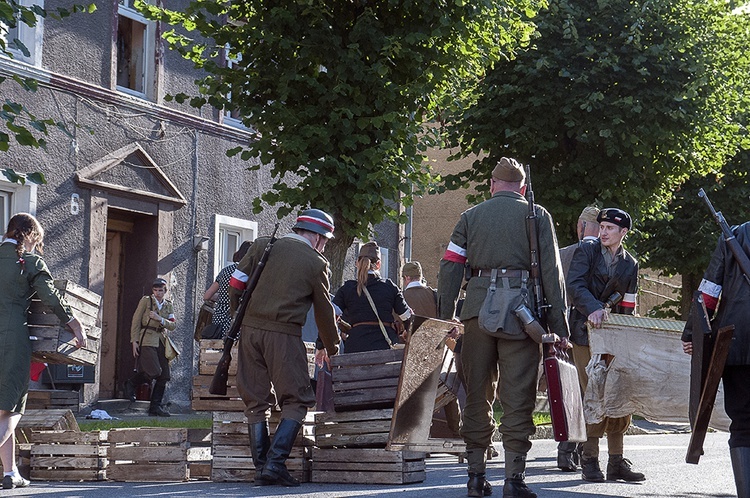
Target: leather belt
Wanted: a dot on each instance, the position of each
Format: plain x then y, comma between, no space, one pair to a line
501,272
386,324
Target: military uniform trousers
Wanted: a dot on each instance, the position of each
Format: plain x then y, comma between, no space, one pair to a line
272,369
485,360
614,428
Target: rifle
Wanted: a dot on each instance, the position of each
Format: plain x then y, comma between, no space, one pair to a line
534,271
729,238
221,376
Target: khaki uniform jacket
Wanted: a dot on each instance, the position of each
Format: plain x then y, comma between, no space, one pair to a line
141,320
421,300
294,278
493,234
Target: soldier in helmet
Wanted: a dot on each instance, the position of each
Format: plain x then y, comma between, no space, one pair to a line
271,350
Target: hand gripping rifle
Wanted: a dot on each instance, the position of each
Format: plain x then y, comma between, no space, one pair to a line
219,382
729,238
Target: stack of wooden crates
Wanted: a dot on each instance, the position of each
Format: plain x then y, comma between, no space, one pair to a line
350,442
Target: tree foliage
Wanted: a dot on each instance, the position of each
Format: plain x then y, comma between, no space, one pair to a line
24,127
616,102
339,92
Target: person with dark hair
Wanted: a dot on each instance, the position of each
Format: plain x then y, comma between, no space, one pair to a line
368,305
219,293
152,320
600,268
271,351
23,274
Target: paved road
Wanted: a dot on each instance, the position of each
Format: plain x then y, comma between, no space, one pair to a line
660,456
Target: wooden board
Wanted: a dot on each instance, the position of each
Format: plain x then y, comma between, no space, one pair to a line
362,428
371,466
45,420
148,454
43,399
367,380
67,456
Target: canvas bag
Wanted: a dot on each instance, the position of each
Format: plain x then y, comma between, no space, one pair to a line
496,315
170,349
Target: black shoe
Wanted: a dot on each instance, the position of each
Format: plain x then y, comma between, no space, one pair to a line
618,468
516,488
590,470
130,391
14,482
478,486
567,461
274,473
159,412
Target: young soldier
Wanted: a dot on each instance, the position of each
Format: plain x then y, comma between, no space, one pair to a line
599,269
492,235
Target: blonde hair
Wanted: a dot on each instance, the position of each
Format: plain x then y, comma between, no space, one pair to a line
364,265
24,227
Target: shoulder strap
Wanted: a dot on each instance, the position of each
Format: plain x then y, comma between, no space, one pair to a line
380,322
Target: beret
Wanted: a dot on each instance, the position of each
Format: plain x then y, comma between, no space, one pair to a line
159,282
615,216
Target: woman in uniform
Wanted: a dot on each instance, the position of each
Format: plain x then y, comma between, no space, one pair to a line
152,320
22,274
369,303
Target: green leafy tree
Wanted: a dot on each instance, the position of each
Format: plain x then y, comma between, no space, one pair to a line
339,92
615,102
24,127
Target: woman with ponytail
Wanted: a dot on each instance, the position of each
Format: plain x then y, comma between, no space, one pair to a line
369,304
23,274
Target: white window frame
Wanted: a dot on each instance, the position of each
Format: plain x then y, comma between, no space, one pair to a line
247,229
149,51
31,37
19,198
227,117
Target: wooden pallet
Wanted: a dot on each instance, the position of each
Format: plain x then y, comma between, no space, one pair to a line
147,454
363,428
44,399
367,466
199,453
45,420
53,342
67,456
368,380
232,461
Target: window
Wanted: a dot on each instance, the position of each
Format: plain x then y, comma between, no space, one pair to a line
136,52
232,117
15,198
30,38
229,234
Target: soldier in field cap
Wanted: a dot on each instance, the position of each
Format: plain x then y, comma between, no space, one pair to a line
492,236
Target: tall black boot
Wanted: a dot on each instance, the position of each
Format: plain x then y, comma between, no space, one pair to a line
478,485
157,395
741,468
259,444
275,471
132,383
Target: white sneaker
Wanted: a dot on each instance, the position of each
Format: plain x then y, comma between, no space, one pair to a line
16,481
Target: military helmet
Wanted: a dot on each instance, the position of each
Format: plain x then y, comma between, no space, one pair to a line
317,221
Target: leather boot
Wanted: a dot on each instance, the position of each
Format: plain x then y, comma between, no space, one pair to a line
478,485
275,471
157,395
567,457
259,444
515,487
618,468
136,380
590,470
741,468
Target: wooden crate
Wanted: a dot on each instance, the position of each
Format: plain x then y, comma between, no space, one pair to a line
367,466
44,399
363,428
232,460
199,453
147,454
23,458
67,456
366,380
53,342
209,356
45,420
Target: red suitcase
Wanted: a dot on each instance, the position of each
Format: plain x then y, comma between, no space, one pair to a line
564,395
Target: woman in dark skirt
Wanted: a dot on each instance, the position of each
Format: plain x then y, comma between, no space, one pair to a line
370,329
22,274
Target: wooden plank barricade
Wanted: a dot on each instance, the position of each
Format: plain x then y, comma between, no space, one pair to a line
53,342
67,456
232,461
367,465
368,380
362,428
148,454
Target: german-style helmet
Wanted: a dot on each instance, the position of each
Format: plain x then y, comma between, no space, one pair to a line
317,221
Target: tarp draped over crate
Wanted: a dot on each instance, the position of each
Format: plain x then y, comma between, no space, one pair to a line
648,375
